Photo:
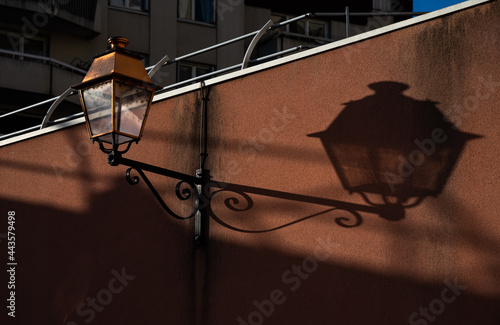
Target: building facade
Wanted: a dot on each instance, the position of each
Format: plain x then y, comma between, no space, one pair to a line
46,46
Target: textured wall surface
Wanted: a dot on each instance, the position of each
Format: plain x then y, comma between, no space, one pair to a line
288,244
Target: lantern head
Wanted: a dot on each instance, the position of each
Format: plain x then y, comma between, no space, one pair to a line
116,95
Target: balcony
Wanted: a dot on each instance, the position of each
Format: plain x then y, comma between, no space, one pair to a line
32,79
76,17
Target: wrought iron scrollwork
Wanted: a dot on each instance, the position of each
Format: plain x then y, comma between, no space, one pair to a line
131,180
349,222
182,193
200,189
233,203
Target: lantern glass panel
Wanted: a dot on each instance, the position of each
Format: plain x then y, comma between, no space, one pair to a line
131,106
97,103
353,163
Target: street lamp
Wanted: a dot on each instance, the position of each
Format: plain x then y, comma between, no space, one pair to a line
116,96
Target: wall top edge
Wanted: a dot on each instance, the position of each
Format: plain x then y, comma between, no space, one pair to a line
323,48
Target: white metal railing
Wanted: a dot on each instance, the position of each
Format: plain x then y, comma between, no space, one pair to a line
166,61
39,58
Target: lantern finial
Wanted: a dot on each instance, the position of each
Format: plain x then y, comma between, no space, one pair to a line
117,42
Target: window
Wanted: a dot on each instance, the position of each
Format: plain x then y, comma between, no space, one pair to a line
139,5
5,43
18,43
297,27
277,18
317,29
306,27
198,10
192,70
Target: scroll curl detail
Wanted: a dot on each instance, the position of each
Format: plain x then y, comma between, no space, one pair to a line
132,180
181,193
233,203
345,222
184,193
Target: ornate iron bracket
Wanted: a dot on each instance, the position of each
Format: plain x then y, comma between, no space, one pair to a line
188,187
181,193
195,187
202,189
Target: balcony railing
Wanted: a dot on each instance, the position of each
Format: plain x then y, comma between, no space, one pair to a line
82,8
42,59
53,102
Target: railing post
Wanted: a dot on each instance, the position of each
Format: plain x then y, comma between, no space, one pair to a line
347,22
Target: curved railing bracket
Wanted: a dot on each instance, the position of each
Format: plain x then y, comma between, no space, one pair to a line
54,105
254,42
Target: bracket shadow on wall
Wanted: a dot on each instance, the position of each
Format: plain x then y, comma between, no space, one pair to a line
390,148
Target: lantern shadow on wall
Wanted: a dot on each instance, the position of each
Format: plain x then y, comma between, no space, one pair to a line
392,149
386,144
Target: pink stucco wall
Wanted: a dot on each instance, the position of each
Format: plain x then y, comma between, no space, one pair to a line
83,233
